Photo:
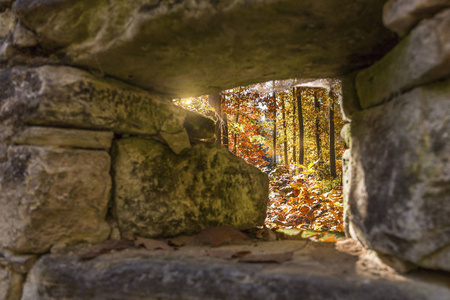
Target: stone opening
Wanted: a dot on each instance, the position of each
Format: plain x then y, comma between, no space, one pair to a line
76,74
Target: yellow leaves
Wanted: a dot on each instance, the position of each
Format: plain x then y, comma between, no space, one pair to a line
310,208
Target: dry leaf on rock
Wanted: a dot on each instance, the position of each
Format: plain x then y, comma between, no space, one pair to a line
227,254
175,243
106,248
151,244
217,236
268,258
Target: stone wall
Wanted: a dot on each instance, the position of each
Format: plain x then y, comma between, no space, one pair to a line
86,159
91,148
397,177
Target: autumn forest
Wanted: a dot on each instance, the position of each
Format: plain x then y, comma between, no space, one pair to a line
290,129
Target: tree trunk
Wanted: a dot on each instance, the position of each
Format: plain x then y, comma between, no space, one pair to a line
225,131
331,135
274,136
317,106
286,159
294,136
301,130
215,102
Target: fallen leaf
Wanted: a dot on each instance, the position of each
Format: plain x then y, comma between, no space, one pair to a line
151,244
175,243
268,258
227,254
216,236
106,248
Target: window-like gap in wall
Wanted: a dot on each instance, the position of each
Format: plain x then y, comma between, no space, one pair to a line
289,129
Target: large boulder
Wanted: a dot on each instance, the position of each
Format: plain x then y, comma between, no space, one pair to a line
185,48
158,193
52,196
400,184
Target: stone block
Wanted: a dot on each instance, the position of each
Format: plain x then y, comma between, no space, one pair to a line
7,23
400,184
11,282
421,58
67,97
402,15
349,103
346,134
61,137
198,126
158,193
346,184
22,37
52,195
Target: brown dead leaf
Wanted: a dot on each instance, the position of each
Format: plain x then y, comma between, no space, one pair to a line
266,234
268,258
151,244
227,254
106,248
175,243
217,236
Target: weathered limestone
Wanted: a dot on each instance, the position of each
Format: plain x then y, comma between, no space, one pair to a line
400,184
75,138
68,97
349,102
401,15
11,282
22,37
7,23
158,193
13,270
346,184
185,48
52,195
319,271
422,57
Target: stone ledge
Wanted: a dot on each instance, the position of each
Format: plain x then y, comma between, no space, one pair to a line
61,137
421,58
319,271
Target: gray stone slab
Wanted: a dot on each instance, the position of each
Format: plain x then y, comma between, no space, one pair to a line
400,185
52,195
317,271
421,58
61,137
158,193
402,15
67,97
187,48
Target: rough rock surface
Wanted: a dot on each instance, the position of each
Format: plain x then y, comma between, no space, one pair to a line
61,137
52,195
158,193
185,48
421,58
68,97
319,271
11,282
349,102
400,186
401,15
